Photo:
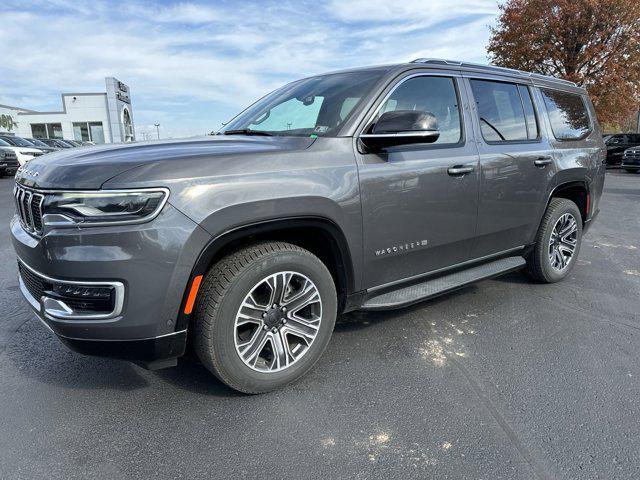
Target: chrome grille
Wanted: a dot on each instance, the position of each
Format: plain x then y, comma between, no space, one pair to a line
29,208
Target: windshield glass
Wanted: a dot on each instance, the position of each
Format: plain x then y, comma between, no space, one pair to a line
20,142
38,143
315,106
4,144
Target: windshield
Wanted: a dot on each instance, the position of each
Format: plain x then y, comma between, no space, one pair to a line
4,144
20,142
316,106
38,143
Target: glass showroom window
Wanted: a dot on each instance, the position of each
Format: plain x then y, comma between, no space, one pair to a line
88,132
46,130
54,130
39,130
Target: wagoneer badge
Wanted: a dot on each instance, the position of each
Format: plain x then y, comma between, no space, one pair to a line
404,247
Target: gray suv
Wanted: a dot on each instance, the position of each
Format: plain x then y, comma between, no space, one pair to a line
366,189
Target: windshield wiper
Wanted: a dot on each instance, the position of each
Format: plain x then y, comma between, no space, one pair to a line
247,131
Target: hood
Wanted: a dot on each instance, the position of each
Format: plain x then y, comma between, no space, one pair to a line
90,167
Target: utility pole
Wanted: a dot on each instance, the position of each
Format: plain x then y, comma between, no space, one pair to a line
157,125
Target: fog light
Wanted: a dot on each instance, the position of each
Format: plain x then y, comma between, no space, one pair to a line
82,292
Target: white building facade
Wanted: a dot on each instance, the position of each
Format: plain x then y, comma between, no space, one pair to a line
104,117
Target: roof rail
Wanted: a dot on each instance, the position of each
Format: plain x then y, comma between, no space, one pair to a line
492,68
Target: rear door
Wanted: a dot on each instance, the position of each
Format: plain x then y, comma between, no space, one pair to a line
419,213
516,163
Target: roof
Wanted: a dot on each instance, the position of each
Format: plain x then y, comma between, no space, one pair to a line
492,69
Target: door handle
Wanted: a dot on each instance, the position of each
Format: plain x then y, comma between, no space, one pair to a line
543,161
458,170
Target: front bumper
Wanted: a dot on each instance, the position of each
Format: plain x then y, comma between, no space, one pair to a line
631,161
146,265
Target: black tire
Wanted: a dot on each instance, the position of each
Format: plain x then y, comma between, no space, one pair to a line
539,265
223,291
633,170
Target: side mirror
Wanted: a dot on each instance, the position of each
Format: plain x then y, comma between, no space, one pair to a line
402,127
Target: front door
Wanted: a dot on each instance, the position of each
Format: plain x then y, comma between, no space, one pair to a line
419,202
516,165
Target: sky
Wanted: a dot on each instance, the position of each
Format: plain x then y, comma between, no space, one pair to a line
193,65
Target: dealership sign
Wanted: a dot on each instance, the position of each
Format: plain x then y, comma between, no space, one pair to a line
122,93
6,122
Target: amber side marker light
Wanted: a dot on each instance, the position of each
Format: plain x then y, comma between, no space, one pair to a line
191,300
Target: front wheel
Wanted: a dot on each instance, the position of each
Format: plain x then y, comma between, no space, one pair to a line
557,242
264,316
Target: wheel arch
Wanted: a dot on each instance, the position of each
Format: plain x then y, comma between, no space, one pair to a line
576,191
320,235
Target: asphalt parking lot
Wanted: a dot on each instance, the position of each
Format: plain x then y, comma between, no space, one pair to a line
504,379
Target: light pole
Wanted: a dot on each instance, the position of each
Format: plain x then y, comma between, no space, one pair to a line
157,125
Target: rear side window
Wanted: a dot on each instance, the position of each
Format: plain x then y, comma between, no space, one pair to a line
568,115
505,111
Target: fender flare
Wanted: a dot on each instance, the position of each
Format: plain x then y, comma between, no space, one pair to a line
218,244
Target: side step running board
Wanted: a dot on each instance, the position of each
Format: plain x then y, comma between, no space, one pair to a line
431,288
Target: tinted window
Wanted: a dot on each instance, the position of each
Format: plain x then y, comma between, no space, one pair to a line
568,115
500,110
21,142
436,95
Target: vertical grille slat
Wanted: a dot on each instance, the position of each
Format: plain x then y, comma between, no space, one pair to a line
29,208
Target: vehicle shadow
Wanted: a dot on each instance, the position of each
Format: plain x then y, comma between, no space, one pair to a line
190,375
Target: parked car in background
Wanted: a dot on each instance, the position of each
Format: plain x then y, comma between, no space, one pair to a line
23,149
55,142
617,143
8,161
367,189
73,143
631,160
41,145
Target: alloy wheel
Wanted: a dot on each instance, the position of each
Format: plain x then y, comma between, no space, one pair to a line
563,242
278,321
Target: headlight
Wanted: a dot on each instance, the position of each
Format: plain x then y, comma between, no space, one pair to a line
28,153
103,207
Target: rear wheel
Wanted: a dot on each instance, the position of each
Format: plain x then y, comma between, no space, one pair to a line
264,316
557,242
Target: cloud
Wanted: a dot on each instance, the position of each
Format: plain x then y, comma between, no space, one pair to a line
193,65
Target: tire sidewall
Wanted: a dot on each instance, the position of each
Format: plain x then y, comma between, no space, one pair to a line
227,361
550,273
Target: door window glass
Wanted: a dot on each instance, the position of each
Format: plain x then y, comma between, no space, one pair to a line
568,115
436,95
500,110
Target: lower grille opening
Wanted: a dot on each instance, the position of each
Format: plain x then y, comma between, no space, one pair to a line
82,299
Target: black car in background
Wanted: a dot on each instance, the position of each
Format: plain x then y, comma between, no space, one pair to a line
41,145
8,161
631,160
55,143
617,143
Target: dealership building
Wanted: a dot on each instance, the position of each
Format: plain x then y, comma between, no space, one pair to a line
104,117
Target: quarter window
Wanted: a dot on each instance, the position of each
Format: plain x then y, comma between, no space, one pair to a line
568,115
505,111
436,95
